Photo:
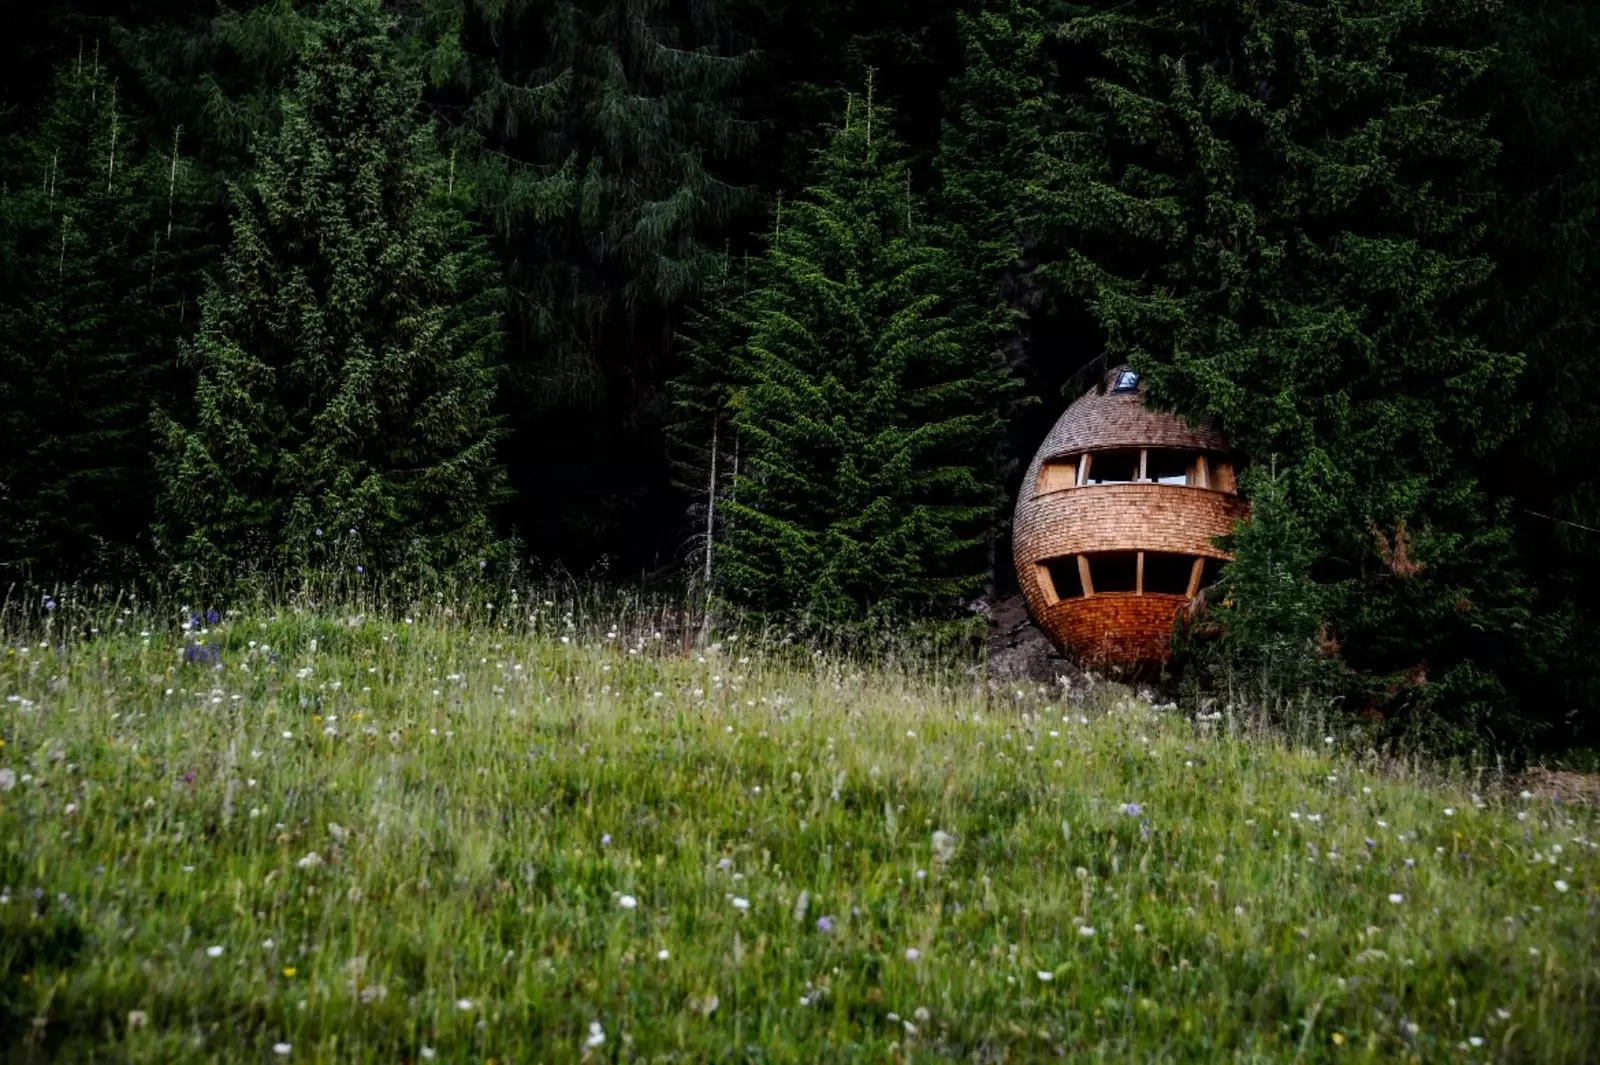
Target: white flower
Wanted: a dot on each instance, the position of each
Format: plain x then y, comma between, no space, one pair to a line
741,904
1449,811
1561,886
463,1003
597,1035
1397,899
281,1049
214,952
628,902
310,861
1475,1040
428,1053
912,954
1046,975
662,954
1085,931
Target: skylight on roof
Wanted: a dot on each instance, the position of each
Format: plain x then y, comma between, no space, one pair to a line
1127,381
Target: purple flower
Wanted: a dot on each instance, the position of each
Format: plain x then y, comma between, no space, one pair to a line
825,925
605,840
212,616
359,569
1130,808
49,603
188,778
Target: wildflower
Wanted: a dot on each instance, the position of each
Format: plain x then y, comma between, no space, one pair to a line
628,902
605,840
912,954
1132,809
137,1019
1449,811
8,779
1338,1039
281,1049
1397,898
825,925
741,904
310,861
1045,975
1328,741
214,952
427,1053
662,954
597,1035
1475,1040
725,863
1085,931
1561,886
463,1004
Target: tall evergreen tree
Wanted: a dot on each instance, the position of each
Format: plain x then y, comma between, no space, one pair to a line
346,357
1275,211
96,279
599,132
995,110
1546,106
866,412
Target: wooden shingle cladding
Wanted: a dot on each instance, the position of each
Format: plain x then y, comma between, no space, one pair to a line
1068,518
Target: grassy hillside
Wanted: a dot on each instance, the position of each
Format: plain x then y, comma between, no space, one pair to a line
327,838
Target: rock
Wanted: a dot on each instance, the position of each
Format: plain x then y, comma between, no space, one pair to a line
1019,653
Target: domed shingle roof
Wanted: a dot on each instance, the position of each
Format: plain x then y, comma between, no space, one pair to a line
1104,418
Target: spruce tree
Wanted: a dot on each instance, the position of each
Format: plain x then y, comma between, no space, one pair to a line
346,355
989,143
95,271
1274,211
865,412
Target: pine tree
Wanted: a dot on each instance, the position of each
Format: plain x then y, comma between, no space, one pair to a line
345,358
599,133
865,412
1274,211
94,278
988,146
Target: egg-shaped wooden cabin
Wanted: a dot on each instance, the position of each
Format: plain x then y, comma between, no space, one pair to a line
1115,523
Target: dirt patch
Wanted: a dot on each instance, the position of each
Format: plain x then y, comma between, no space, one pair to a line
1557,784
1019,653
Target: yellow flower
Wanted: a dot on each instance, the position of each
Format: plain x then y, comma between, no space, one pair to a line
1338,1039
289,971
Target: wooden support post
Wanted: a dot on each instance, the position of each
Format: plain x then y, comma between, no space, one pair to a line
1138,576
1201,478
1083,574
1194,577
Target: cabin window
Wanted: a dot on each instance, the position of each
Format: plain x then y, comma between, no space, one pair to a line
1170,467
1114,467
1114,571
1058,474
1062,578
1127,381
1210,572
1167,574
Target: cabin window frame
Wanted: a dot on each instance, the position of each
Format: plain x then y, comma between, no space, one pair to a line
1211,471
1197,565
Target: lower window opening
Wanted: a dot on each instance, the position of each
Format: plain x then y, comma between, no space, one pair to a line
1166,574
1114,571
1064,578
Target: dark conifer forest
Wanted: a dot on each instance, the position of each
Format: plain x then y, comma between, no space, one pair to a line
774,301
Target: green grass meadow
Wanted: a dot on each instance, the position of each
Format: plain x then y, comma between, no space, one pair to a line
528,836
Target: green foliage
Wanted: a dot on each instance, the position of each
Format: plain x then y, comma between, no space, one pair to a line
1545,104
865,412
346,356
97,276
1267,613
1275,211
